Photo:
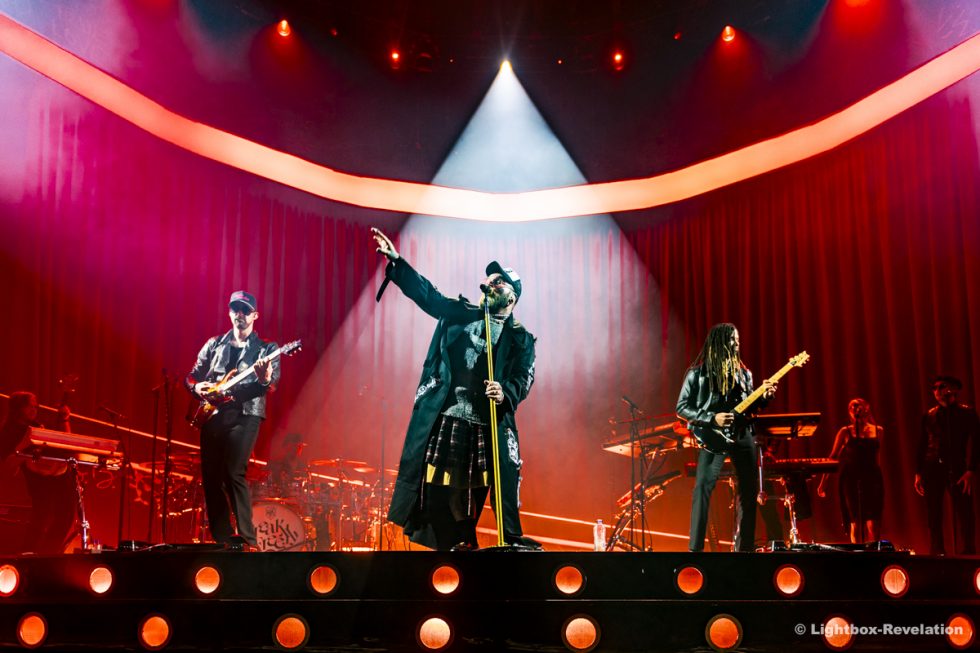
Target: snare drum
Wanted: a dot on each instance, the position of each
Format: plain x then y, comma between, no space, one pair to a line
279,526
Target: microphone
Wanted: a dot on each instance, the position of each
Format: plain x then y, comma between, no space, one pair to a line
114,414
486,289
163,382
629,402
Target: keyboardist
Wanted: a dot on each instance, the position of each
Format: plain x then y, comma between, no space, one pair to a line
49,485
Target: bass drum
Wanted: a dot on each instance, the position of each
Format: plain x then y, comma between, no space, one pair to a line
279,526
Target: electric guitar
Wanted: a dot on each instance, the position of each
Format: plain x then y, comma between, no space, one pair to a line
719,439
199,415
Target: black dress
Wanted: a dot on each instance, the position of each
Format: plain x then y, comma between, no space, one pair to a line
862,490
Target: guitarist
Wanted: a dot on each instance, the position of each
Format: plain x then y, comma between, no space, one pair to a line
228,437
715,383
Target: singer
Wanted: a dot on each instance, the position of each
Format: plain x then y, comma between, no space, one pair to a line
445,471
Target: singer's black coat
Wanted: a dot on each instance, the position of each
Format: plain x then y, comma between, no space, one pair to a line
513,357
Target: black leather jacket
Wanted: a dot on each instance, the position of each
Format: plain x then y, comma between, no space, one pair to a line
249,394
698,403
951,437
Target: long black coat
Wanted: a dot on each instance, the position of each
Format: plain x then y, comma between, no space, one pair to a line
513,357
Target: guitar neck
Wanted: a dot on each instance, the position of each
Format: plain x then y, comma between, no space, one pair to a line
241,376
758,392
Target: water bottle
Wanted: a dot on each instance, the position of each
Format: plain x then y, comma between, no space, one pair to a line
599,535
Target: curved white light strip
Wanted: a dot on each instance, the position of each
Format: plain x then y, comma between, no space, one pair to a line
88,81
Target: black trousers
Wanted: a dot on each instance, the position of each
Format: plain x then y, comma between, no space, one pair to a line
743,458
227,440
936,481
53,511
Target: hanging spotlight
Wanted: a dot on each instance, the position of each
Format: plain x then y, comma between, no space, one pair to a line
618,60
395,58
283,28
728,34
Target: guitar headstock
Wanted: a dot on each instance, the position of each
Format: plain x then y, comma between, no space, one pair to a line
291,348
800,359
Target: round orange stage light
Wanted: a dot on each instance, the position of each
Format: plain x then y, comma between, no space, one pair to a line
283,28
895,581
291,632
723,632
32,630
976,581
689,580
154,632
569,580
434,634
9,580
960,632
580,633
207,580
445,579
323,579
788,579
100,580
837,633
728,34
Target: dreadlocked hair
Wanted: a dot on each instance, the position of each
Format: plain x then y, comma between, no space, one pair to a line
719,359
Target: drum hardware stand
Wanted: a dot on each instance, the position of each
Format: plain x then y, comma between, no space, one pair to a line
637,499
80,497
653,487
168,401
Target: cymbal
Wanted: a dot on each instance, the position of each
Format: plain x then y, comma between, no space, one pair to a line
343,463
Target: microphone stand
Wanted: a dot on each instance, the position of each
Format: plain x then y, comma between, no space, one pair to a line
124,475
498,498
153,459
168,420
638,505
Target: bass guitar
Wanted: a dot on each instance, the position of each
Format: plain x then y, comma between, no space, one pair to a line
719,439
199,415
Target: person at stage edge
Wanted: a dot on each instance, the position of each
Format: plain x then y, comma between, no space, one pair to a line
50,485
446,468
861,486
947,457
228,437
715,383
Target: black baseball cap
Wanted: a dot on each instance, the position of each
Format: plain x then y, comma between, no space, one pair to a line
508,274
244,298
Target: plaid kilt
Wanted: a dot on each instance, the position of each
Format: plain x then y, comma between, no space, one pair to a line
456,454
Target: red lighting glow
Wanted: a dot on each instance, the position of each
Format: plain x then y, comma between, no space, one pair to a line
323,579
291,632
445,579
837,633
283,28
690,580
569,580
723,632
32,630
207,580
728,34
759,158
618,60
100,580
580,633
434,634
395,59
960,632
9,580
895,581
154,632
788,580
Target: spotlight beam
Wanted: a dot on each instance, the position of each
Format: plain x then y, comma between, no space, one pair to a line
61,66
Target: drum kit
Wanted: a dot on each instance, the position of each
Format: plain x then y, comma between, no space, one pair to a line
333,504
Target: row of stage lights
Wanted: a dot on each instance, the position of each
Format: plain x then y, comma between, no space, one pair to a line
618,58
580,633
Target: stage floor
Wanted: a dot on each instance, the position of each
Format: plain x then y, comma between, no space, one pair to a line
200,599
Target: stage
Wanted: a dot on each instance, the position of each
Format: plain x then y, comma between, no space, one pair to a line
203,599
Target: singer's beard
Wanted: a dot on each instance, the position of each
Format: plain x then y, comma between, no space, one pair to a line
496,301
